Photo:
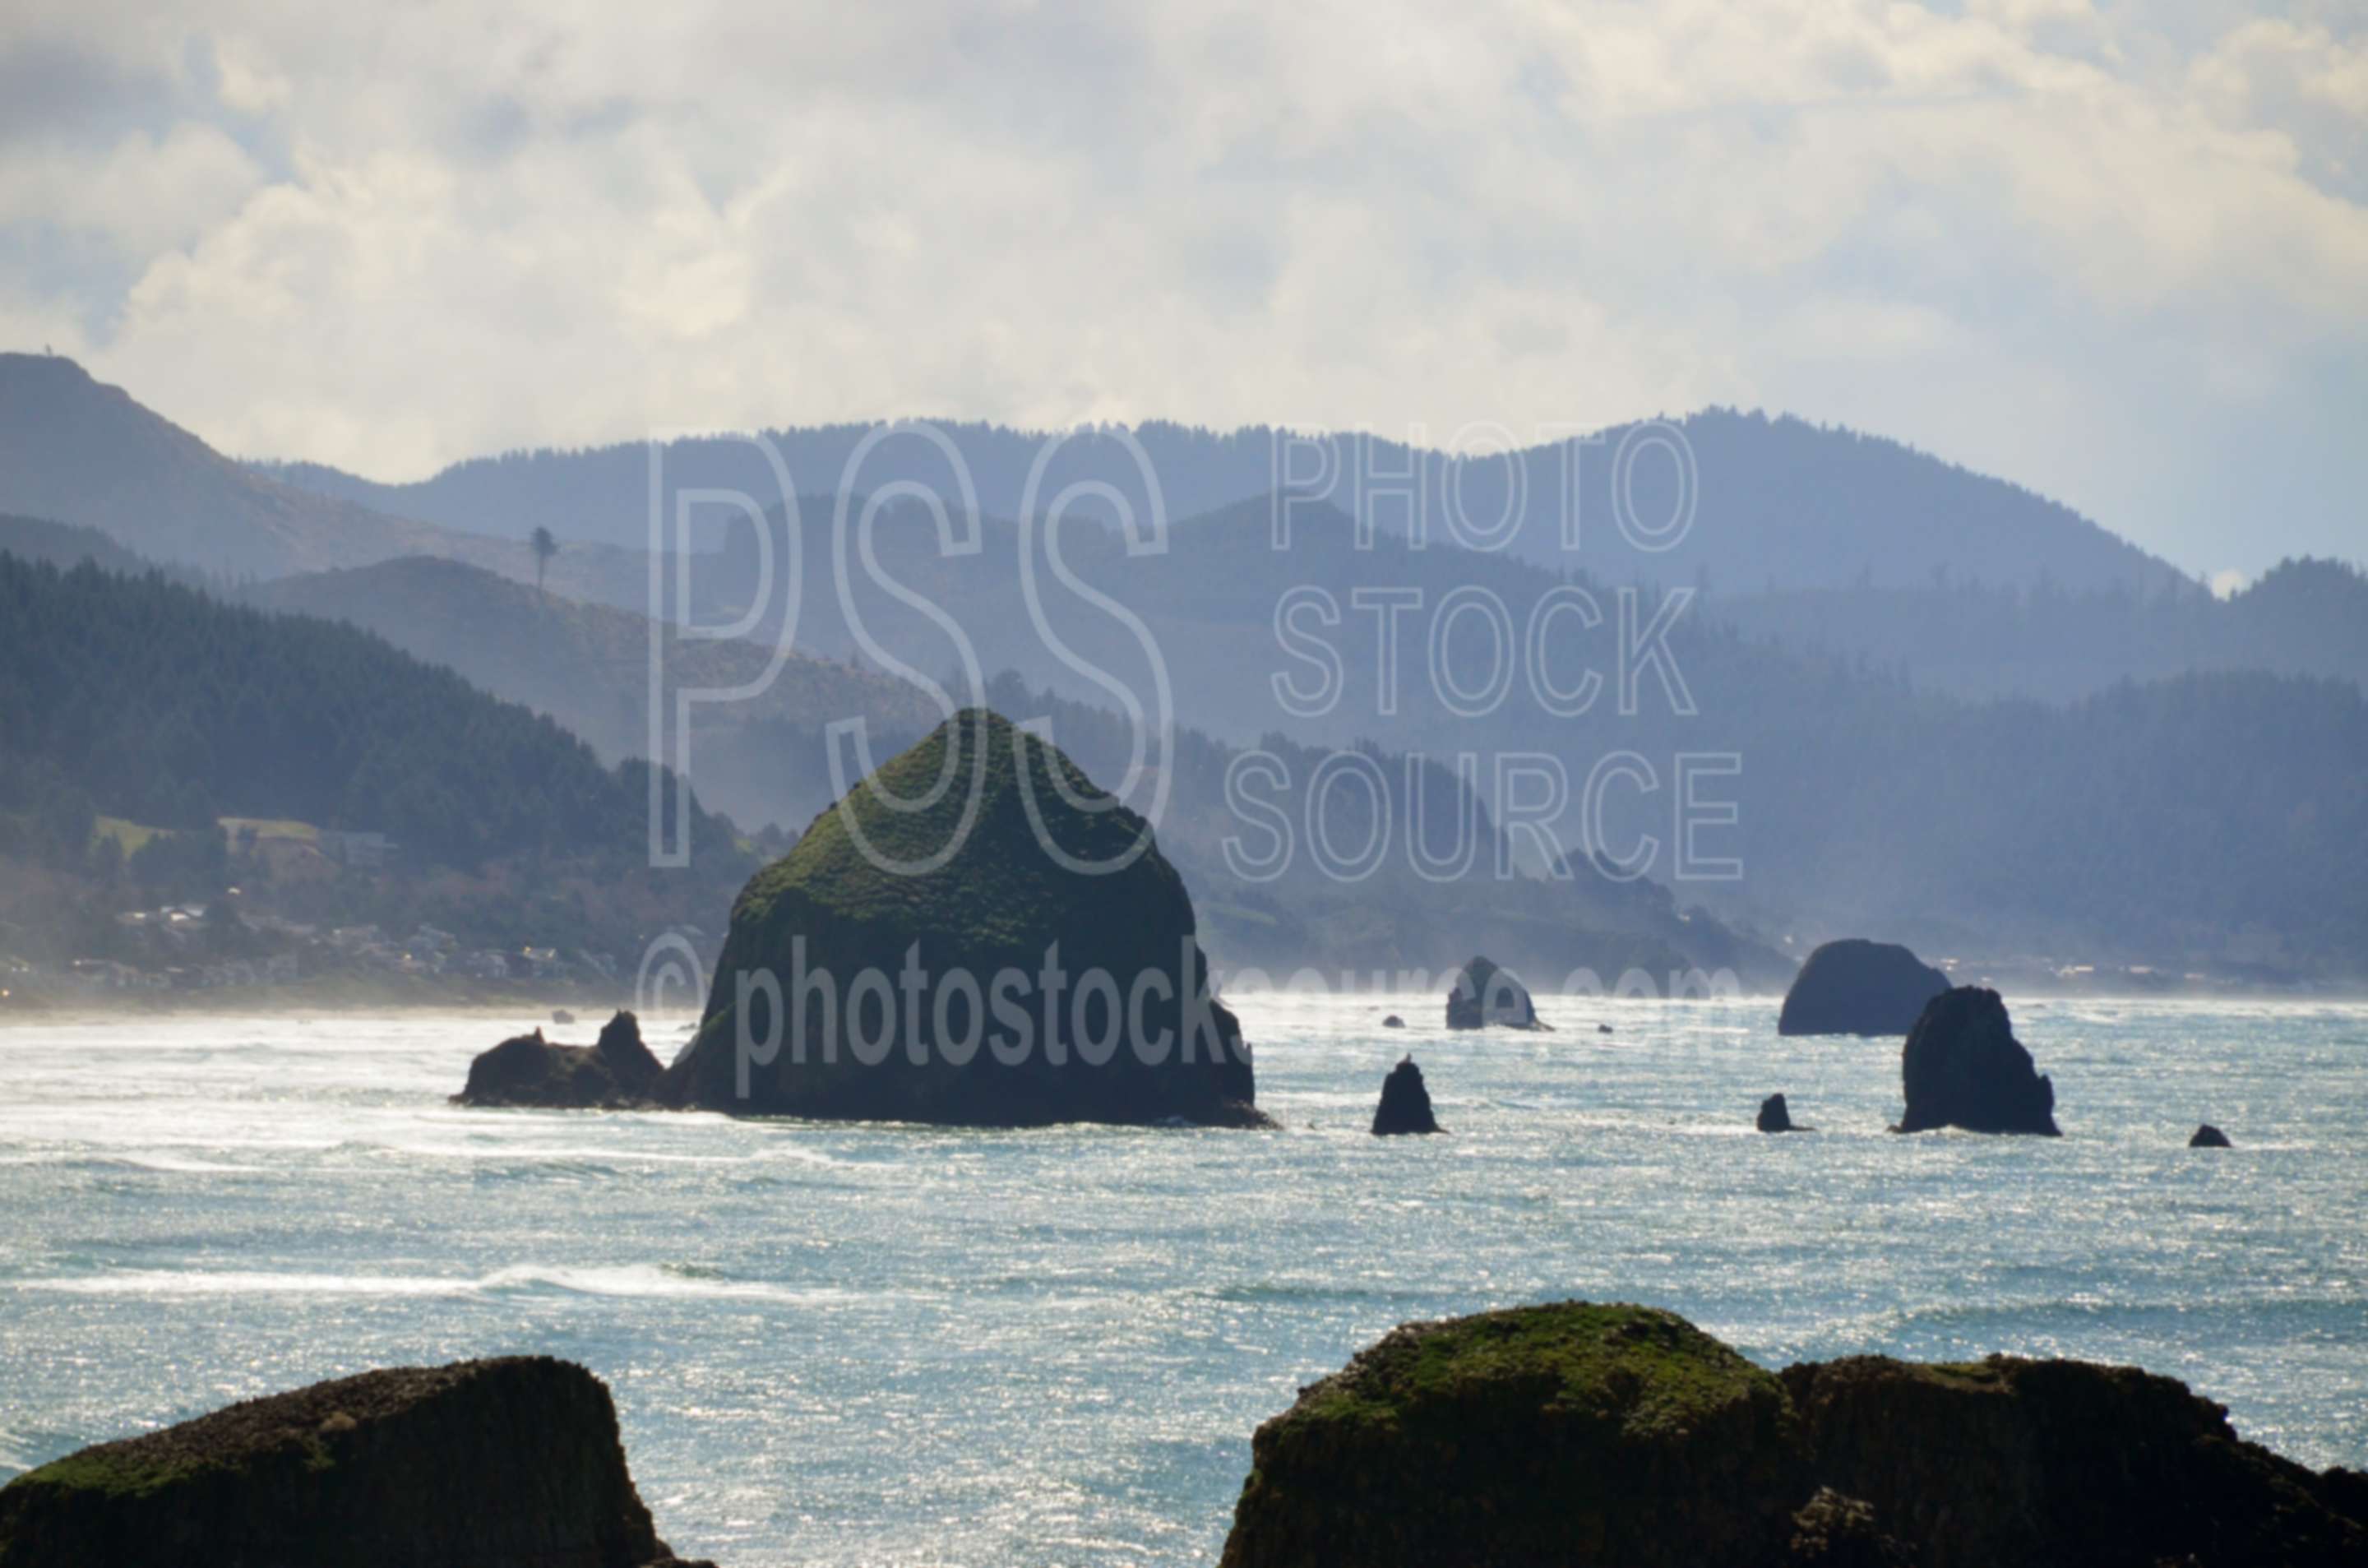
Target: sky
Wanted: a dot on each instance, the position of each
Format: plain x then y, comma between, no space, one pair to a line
2117,254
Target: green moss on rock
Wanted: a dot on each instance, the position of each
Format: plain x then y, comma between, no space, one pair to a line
509,1461
1569,1434
979,879
1573,1435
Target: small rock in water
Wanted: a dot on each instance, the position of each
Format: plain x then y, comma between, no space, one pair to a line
1775,1118
1393,1022
1604,1029
561,1015
2208,1137
1406,1103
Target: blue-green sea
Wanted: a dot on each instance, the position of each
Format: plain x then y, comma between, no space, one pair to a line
841,1345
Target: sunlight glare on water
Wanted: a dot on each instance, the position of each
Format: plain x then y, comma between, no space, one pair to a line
869,1343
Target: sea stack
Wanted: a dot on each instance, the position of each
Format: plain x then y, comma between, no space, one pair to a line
1963,1067
1005,947
1623,1436
504,1461
1775,1116
618,1073
1485,996
2208,1137
1855,986
1406,1103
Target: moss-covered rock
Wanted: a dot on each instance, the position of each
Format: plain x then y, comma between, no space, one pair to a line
1855,986
511,1461
1578,1434
1570,1434
965,962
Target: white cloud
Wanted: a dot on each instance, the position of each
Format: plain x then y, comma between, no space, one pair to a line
2028,236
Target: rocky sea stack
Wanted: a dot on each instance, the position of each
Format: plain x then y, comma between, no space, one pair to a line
1963,1067
1623,1436
1406,1103
1485,996
1855,986
505,1461
616,1073
961,963
2208,1137
1775,1116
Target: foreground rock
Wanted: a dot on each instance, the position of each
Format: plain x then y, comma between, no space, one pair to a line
1406,1103
617,1073
1571,1433
2208,1137
1485,996
1776,1117
1963,1067
512,1462
857,978
1624,1437
1855,986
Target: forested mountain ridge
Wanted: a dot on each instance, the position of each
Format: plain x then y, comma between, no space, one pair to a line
165,705
758,758
1776,502
81,452
2305,616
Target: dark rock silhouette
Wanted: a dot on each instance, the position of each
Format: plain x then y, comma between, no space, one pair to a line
1484,996
561,1015
504,1461
2208,1137
1624,1437
982,884
1604,1029
1963,1067
1406,1103
1776,1117
618,1073
2065,1464
1855,986
1393,1022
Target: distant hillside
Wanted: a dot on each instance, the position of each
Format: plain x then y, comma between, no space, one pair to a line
82,452
168,707
2303,617
68,544
588,666
1782,504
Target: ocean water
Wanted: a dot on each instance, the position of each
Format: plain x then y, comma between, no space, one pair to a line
879,1344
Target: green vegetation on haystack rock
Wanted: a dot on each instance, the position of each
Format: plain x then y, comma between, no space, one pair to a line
511,1461
1622,1437
872,889
1572,1433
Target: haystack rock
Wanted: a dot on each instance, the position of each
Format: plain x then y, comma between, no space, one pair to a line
1855,986
1012,951
1623,1436
1406,1103
1776,1117
618,1073
1963,1067
2208,1137
1485,996
507,1461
